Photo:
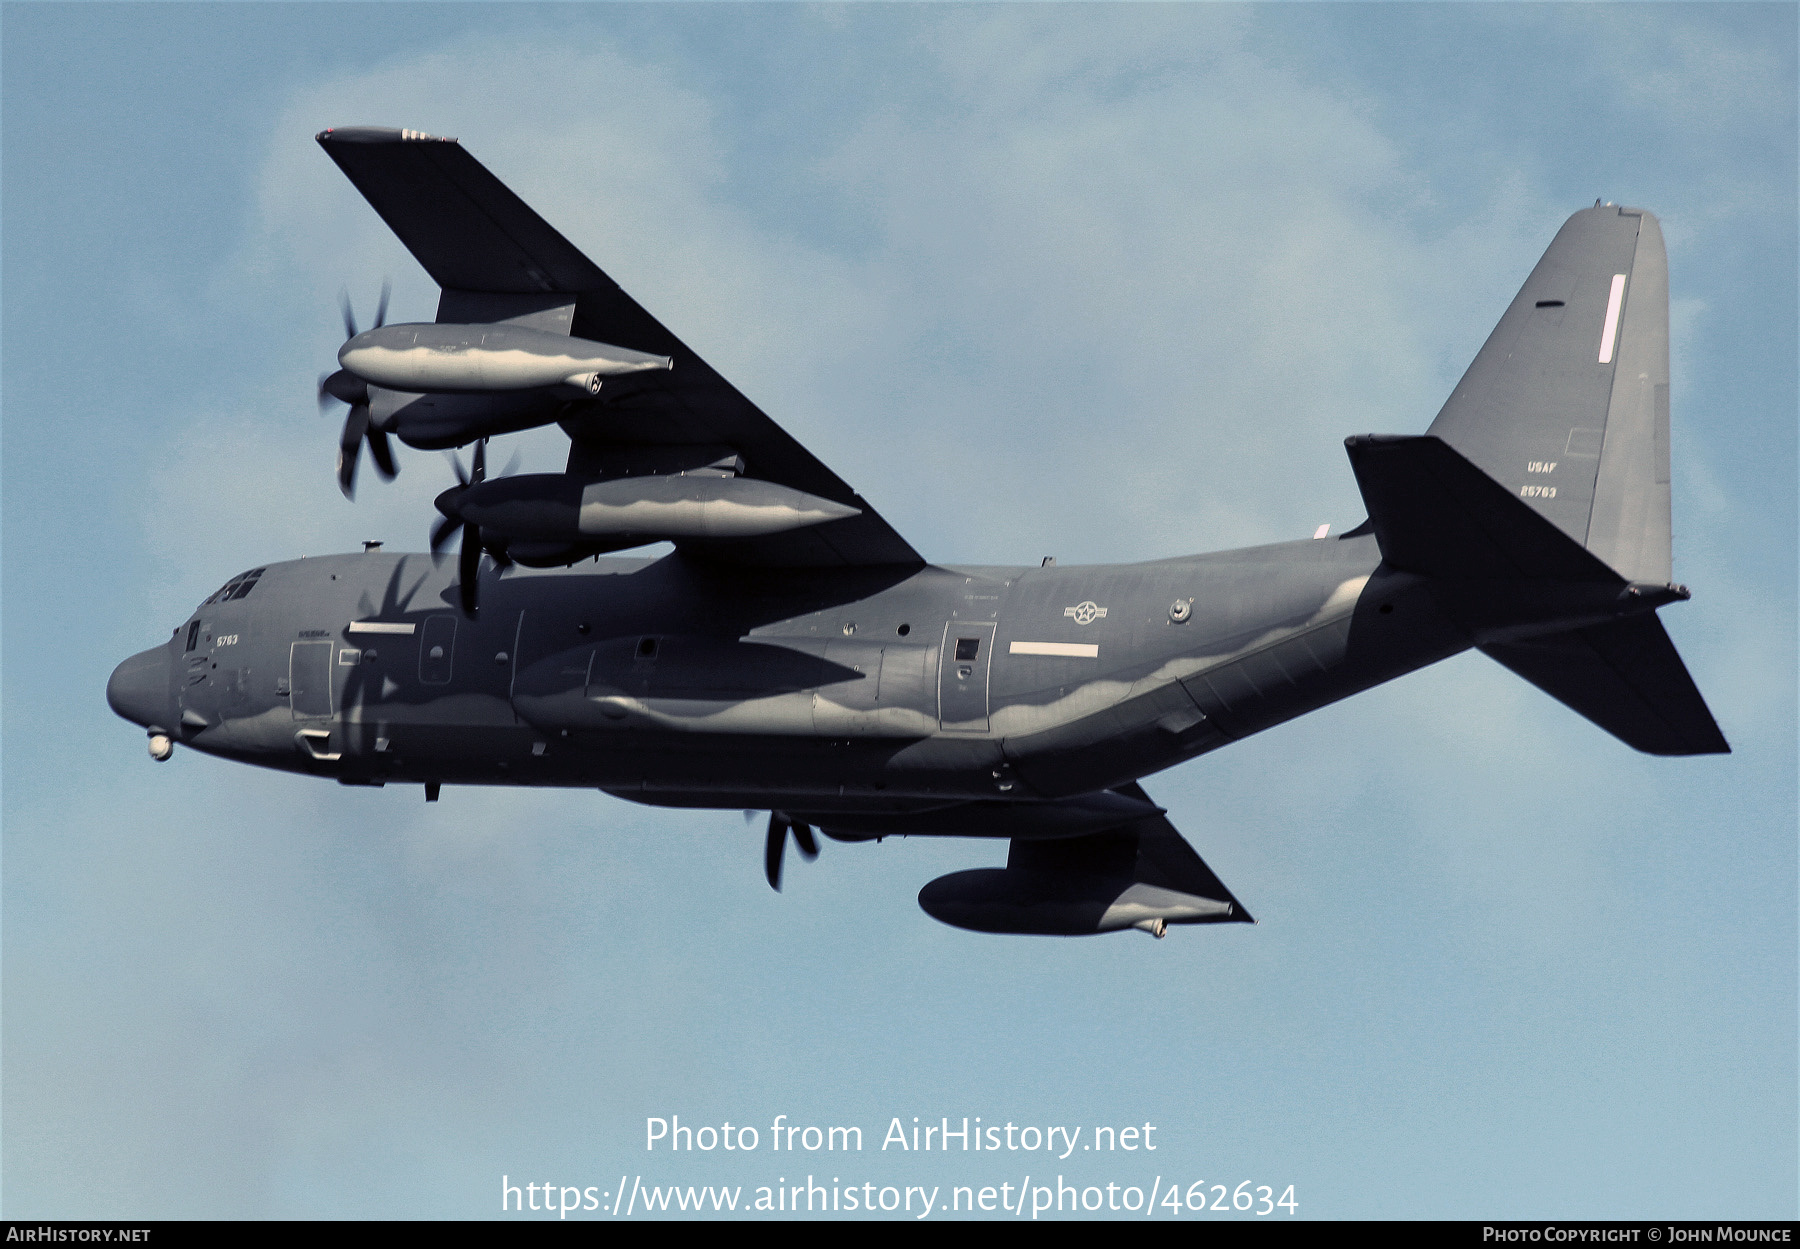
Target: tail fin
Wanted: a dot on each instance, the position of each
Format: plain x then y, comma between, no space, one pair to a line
1567,405
1538,503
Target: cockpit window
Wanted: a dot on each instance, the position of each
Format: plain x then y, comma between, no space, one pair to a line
237,587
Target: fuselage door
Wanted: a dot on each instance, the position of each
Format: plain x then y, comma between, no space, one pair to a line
963,676
197,693
309,679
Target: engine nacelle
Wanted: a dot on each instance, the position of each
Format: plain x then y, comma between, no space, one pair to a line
439,357
1067,904
555,507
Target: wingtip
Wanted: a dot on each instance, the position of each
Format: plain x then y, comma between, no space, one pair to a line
377,134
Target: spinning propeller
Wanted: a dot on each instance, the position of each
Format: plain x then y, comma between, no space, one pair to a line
347,387
775,849
450,504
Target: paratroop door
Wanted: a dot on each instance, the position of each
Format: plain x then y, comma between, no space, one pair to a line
963,676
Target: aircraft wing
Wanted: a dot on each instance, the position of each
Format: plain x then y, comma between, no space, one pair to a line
496,259
1131,872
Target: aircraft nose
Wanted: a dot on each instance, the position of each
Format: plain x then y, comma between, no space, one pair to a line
139,688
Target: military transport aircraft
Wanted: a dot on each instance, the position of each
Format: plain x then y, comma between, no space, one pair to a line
794,654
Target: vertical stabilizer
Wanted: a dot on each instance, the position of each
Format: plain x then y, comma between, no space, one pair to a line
1567,404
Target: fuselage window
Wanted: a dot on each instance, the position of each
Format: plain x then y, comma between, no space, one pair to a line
193,634
966,647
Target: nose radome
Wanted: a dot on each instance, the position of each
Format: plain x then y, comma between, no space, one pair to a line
139,688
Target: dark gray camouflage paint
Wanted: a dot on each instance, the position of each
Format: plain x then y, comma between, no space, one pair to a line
678,682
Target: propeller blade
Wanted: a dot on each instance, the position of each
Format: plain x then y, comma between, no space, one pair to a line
387,288
356,428
462,478
443,531
773,849
803,837
349,316
479,474
448,504
382,452
512,464
469,569
353,390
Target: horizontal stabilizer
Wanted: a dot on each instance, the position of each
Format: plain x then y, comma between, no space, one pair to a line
1626,677
1436,514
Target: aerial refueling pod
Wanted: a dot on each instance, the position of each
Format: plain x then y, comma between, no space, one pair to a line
557,507
438,357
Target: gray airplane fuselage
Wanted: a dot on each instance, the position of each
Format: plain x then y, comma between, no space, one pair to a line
680,682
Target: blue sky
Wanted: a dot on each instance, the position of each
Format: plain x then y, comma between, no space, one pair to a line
1109,283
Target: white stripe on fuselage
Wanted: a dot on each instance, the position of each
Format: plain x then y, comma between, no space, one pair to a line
1071,650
